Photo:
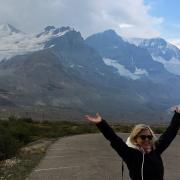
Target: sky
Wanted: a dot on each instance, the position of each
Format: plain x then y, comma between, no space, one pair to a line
129,18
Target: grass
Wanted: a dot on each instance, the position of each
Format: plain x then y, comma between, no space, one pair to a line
18,168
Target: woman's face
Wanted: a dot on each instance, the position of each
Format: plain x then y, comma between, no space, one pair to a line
145,140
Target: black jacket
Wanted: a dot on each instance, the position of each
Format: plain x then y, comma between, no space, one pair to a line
153,166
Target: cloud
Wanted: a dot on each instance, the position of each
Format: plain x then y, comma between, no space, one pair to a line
86,16
125,25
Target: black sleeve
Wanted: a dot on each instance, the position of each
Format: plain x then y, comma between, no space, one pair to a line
116,142
167,137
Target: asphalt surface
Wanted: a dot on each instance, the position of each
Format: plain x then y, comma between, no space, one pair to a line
90,157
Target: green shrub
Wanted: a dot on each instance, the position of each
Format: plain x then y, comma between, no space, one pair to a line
28,120
8,144
20,132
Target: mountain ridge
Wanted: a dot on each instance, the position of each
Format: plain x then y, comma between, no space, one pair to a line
66,71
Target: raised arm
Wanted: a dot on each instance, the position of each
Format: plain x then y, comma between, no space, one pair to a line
116,142
167,137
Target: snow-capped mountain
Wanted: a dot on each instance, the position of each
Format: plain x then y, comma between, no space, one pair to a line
7,29
67,74
58,68
54,32
149,79
129,60
13,42
161,51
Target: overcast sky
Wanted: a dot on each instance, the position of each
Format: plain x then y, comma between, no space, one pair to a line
129,18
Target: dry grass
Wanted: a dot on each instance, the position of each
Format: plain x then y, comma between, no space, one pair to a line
17,168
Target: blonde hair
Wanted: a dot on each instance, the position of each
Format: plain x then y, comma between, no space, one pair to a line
137,130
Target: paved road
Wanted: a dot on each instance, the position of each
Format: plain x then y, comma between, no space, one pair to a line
89,157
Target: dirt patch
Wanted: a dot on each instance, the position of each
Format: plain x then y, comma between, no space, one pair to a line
36,147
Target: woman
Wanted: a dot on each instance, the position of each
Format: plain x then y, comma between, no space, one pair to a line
142,153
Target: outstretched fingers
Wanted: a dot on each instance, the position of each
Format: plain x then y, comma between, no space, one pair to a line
95,119
175,109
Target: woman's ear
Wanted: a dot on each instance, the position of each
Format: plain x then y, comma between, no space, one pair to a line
135,141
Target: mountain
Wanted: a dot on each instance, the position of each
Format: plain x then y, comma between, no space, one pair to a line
66,73
7,29
161,51
13,42
149,78
61,73
135,62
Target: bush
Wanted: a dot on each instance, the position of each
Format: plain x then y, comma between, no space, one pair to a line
8,144
21,132
28,120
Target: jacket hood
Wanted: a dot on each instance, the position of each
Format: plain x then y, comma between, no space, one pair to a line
130,144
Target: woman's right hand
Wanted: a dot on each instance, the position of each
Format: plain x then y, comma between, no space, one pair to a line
175,109
95,119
